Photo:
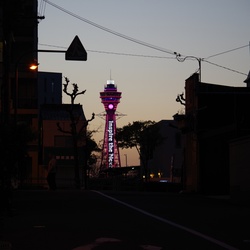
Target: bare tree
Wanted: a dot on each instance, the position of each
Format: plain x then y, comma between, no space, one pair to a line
76,134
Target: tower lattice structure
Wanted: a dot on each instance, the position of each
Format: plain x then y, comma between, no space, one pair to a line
110,153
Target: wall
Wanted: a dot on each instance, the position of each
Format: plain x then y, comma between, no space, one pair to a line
240,165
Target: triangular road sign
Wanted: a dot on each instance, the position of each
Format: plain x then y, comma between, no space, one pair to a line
76,51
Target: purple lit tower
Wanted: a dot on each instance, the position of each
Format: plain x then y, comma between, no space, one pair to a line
110,152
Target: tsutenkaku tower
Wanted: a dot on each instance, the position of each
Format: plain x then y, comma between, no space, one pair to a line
110,152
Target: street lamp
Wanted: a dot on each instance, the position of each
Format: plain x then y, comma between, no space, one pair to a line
32,66
182,59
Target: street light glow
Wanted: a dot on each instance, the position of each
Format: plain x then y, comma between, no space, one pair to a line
33,66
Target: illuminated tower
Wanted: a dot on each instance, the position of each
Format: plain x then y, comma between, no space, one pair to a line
110,152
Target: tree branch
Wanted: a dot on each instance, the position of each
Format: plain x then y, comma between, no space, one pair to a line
61,129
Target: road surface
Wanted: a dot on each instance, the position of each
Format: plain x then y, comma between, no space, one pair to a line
86,220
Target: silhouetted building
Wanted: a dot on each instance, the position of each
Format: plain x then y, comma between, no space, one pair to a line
49,88
216,126
168,155
247,80
24,90
61,144
18,49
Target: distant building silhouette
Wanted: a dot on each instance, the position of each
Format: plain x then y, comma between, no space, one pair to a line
167,158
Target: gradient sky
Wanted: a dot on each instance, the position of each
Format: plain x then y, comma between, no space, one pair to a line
149,77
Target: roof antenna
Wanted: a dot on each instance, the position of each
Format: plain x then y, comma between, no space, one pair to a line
110,76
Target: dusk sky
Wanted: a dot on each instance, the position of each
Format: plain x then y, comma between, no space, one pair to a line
133,43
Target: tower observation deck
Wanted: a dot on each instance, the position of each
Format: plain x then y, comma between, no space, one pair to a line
110,153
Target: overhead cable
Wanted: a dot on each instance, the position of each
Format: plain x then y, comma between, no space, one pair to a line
113,53
111,31
149,56
221,53
143,43
215,64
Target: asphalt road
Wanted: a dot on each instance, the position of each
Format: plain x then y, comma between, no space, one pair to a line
85,220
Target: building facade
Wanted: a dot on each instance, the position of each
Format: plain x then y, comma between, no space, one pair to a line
53,141
215,118
18,46
23,91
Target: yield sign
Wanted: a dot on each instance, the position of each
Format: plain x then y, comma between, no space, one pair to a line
76,51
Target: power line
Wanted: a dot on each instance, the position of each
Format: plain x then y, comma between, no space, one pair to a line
141,42
149,56
132,39
111,31
113,53
215,64
224,52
